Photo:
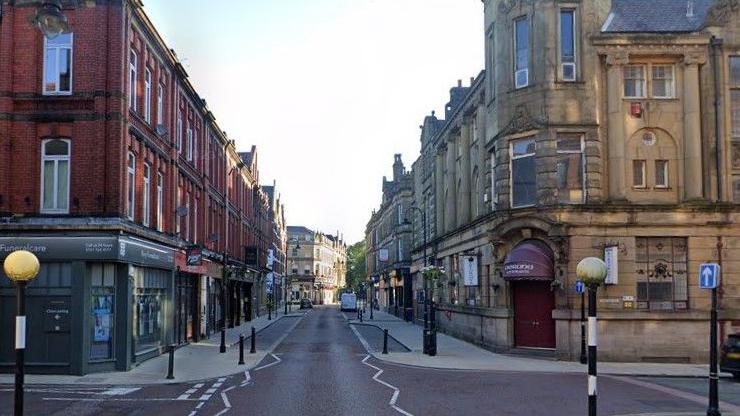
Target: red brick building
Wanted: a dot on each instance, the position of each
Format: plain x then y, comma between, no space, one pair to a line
115,173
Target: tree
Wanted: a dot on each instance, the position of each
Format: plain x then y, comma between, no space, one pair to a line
355,265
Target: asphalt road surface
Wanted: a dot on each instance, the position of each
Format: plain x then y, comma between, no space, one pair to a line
321,368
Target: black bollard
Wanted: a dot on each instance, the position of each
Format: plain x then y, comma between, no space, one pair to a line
171,366
253,348
385,341
241,349
361,315
222,348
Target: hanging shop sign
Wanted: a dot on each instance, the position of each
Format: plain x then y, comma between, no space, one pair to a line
194,256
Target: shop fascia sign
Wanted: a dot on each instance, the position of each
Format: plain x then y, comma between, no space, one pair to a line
522,268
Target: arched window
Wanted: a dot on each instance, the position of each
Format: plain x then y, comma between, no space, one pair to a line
55,156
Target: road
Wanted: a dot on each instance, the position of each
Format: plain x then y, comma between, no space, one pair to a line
322,368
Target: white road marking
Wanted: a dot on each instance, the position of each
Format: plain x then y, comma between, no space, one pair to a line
396,390
193,413
278,360
227,404
247,378
217,385
200,405
191,391
205,397
183,397
199,385
109,399
222,379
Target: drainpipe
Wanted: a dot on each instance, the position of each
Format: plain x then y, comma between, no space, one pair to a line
716,45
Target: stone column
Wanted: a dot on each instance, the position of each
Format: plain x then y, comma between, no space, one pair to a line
463,217
451,185
616,136
693,175
439,191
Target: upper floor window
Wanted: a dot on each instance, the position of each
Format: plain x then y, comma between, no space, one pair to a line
160,202
662,81
735,96
179,132
146,192
639,176
58,65
189,143
568,45
147,95
661,174
160,104
400,214
570,169
491,59
521,48
634,81
494,190
131,186
523,173
132,81
55,158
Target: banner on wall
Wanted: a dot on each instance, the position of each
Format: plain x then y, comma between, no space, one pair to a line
469,267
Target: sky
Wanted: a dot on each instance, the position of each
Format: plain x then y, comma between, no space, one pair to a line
328,90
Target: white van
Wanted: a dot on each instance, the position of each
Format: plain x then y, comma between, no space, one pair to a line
348,302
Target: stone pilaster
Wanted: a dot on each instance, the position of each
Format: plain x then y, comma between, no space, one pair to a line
616,136
463,216
439,192
451,187
693,176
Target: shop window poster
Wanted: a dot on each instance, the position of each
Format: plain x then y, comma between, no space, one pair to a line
102,310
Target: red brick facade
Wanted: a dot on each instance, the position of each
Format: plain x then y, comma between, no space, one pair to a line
104,127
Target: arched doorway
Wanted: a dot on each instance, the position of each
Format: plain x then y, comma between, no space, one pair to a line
530,269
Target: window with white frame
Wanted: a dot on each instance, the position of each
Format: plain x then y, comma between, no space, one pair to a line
179,131
131,186
147,95
160,104
195,222
399,213
58,65
523,173
634,81
178,204
491,70
55,160
521,56
661,174
570,168
186,218
400,249
132,81
146,195
639,176
189,143
662,81
568,44
160,201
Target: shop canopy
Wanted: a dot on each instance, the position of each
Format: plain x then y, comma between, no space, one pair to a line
530,260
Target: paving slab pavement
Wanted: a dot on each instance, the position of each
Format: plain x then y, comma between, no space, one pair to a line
453,353
195,361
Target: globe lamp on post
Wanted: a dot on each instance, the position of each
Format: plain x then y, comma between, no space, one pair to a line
592,271
20,267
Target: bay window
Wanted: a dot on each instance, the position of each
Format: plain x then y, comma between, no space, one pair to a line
131,186
521,57
523,173
570,169
146,194
567,45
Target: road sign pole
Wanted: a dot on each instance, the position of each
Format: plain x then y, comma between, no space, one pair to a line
592,342
713,409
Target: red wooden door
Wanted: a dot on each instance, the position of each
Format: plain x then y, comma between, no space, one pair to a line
533,323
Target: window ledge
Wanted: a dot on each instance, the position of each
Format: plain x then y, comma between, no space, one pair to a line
56,94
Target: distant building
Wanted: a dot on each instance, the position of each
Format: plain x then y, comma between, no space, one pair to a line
388,244
317,265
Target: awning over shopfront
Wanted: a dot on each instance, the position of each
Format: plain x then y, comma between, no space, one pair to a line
530,260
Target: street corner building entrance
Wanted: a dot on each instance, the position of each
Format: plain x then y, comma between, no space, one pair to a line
530,269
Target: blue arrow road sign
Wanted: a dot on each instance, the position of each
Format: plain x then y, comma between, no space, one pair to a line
709,275
580,287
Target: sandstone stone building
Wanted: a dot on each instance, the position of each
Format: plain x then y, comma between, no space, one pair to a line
317,265
596,129
388,245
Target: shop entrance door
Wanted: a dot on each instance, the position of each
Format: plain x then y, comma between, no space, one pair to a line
533,306
187,309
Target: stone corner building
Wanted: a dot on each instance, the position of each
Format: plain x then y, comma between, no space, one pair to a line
596,129
317,265
388,243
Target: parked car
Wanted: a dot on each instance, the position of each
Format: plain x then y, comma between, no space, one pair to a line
306,304
730,358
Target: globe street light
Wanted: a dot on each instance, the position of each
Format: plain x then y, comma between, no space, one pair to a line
50,20
592,271
21,267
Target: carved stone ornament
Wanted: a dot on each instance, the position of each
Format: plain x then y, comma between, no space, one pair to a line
721,12
618,58
506,6
522,121
694,58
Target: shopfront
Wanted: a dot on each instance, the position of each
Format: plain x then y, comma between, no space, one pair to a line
529,268
89,291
